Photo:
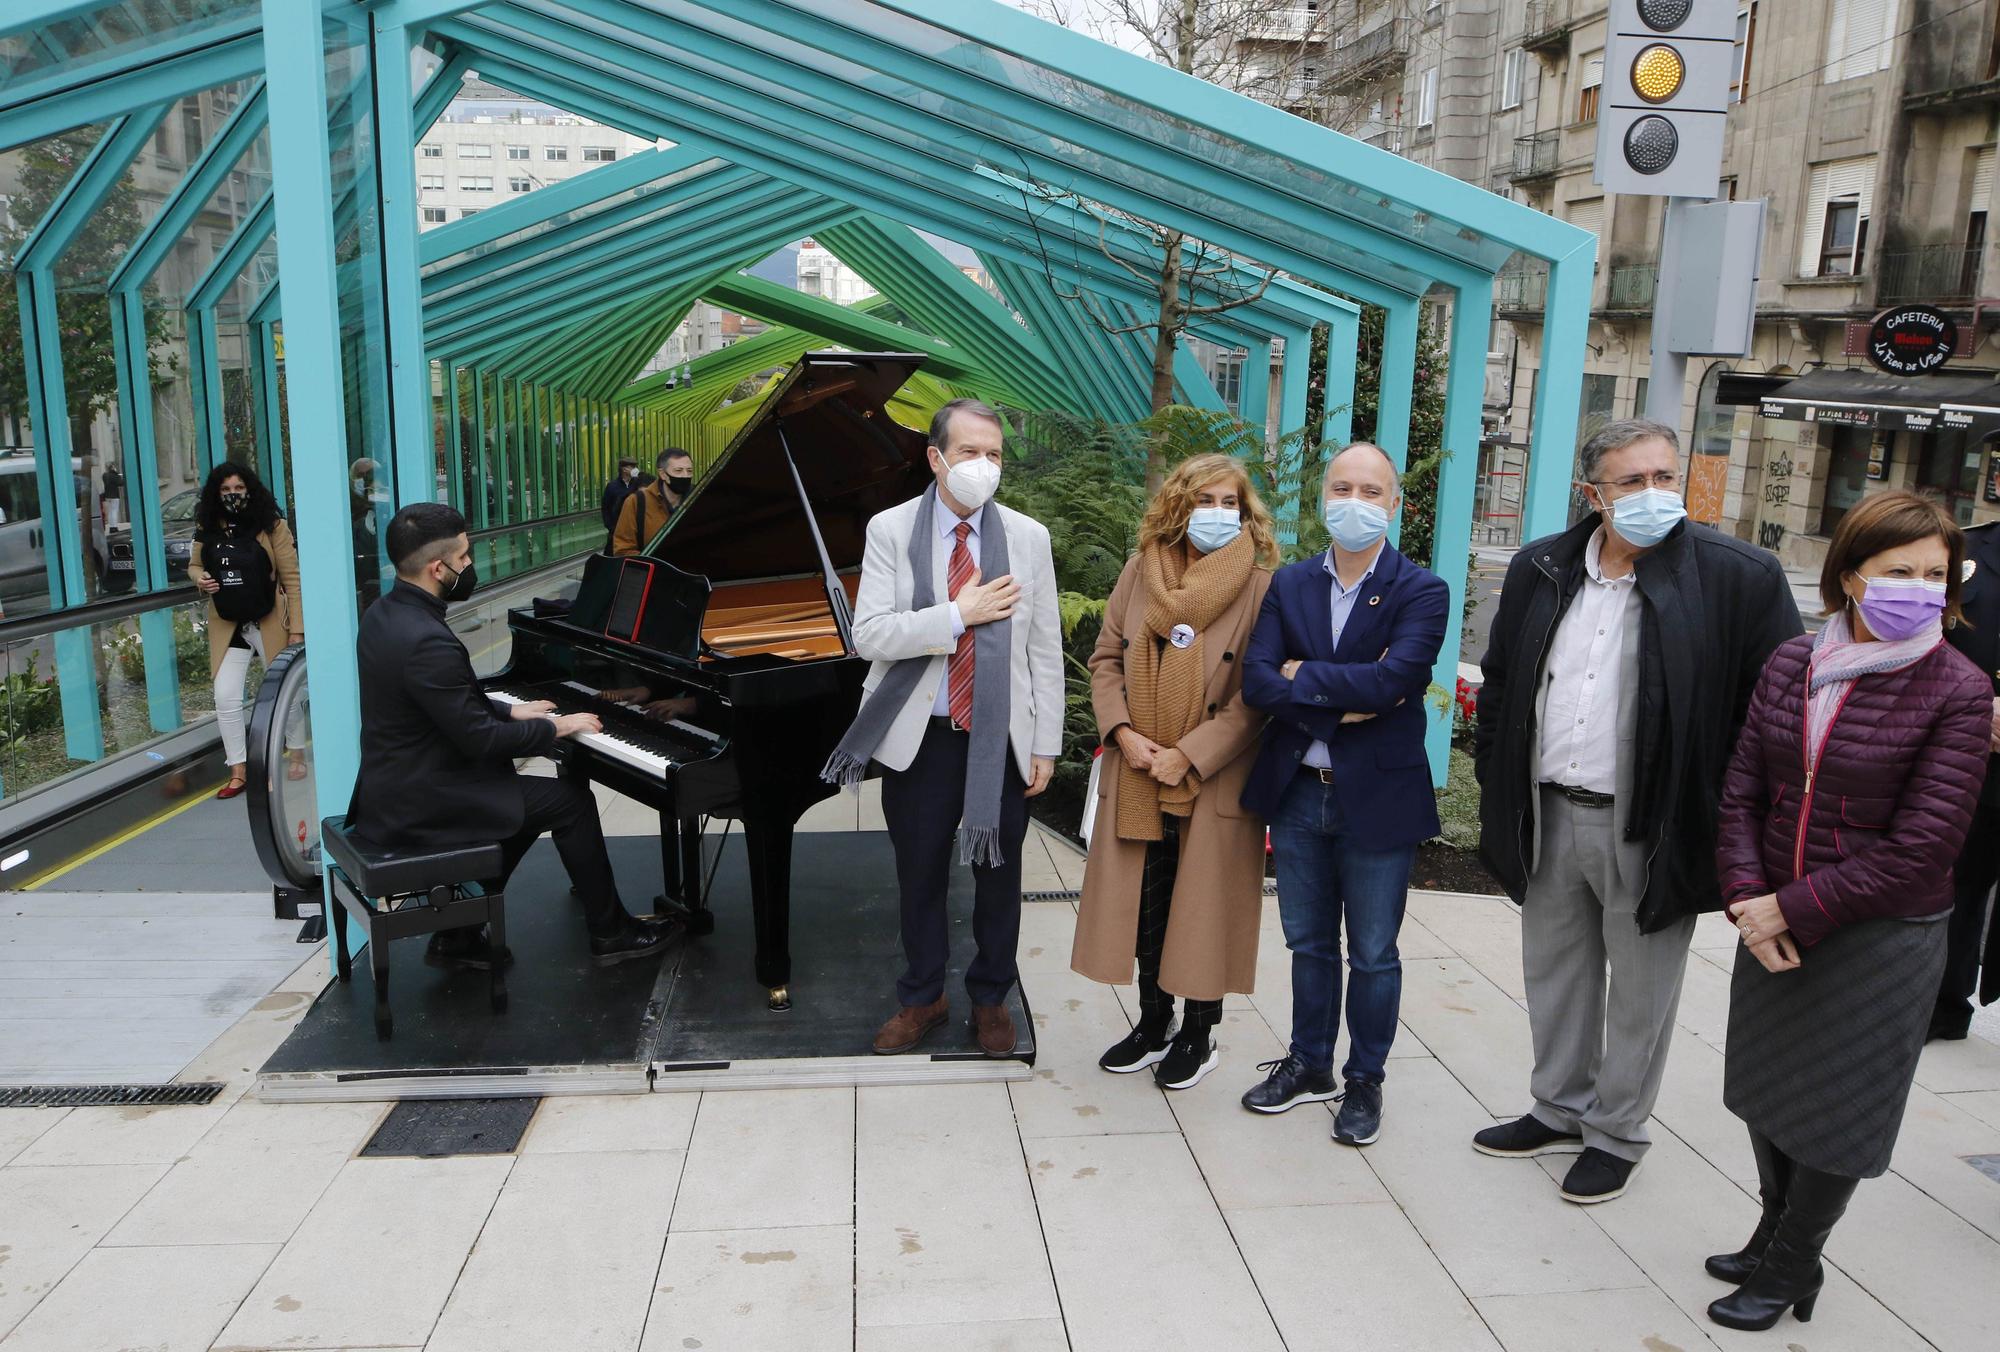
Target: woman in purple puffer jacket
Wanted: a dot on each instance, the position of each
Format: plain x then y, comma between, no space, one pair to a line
1848,798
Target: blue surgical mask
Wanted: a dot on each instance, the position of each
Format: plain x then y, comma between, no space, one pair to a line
1355,525
1648,516
1210,528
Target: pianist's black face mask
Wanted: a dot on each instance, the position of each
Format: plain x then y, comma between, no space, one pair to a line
463,583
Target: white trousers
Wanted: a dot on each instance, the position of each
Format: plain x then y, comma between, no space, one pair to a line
229,693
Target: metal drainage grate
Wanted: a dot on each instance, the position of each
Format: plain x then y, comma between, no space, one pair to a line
434,1127
1071,894
108,1095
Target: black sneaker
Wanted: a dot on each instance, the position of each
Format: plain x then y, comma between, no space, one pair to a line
1524,1138
1360,1120
1135,1051
1286,1083
639,939
1597,1176
1190,1056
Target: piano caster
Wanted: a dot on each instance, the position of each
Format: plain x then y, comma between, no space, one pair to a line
781,999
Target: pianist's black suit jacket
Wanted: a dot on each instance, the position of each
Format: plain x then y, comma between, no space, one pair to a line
437,758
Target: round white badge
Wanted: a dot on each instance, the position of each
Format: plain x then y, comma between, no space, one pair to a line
1181,636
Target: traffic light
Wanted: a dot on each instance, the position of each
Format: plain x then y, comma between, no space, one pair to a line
1666,96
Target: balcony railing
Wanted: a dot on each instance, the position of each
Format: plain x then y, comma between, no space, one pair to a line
1939,272
1547,24
1369,55
1292,24
1535,156
1519,288
1633,288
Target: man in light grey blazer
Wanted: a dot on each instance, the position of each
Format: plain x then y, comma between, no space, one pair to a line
963,710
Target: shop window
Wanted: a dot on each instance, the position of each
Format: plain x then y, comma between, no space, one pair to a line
1851,457
1948,465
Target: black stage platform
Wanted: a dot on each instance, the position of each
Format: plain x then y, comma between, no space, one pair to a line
693,1020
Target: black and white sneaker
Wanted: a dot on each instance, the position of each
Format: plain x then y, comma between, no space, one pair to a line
1524,1138
1360,1120
1288,1083
1135,1051
1597,1176
1189,1057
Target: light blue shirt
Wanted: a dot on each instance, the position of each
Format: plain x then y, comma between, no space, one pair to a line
1343,608
948,522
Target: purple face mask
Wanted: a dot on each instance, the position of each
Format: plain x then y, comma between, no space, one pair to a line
1901,607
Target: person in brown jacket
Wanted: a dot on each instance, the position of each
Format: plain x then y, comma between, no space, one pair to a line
245,562
646,511
1175,878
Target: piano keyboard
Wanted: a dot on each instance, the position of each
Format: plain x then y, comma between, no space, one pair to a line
628,746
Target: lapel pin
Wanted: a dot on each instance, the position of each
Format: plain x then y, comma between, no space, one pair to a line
1181,636
1970,567
1375,600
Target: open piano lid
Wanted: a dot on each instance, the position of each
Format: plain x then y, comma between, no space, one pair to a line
744,520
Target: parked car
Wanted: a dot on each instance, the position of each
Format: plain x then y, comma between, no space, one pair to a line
177,531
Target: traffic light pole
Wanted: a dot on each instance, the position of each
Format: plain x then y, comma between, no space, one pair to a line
1667,379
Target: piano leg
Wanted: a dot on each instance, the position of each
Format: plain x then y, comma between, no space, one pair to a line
680,872
767,842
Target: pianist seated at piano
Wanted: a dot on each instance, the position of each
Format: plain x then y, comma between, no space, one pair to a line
963,710
437,755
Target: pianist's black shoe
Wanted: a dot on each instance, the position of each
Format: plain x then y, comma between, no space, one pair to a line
464,950
639,939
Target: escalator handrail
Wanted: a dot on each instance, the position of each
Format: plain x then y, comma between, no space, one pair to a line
284,866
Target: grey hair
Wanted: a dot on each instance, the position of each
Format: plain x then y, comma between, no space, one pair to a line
1616,436
972,408
1394,473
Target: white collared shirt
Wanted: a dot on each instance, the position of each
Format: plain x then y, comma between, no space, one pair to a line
948,522
1578,742
1317,755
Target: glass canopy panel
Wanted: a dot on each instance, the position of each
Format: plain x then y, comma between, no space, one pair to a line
104,34
35,174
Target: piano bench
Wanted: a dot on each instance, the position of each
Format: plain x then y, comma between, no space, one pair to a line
393,893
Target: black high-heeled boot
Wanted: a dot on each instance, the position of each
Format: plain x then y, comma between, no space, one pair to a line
1789,1276
1774,1170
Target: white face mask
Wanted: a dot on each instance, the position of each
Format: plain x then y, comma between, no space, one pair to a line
972,482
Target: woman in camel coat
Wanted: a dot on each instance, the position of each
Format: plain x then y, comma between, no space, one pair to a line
235,506
1175,878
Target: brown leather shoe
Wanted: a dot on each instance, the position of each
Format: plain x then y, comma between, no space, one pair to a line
995,1027
910,1025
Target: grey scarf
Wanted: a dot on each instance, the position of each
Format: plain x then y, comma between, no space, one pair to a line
986,763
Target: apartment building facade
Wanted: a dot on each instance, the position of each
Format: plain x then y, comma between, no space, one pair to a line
1867,127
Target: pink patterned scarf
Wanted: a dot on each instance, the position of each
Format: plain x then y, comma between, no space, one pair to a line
1838,659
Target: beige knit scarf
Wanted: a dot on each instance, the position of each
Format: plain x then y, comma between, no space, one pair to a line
1164,684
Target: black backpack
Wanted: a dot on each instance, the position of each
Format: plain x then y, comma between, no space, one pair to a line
240,566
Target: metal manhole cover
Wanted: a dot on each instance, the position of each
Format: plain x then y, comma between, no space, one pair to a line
434,1127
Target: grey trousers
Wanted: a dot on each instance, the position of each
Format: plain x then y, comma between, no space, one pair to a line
1600,1045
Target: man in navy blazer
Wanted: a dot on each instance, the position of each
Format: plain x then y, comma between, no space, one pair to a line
1340,659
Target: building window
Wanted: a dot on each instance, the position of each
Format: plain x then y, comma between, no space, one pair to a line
464,212
1860,35
1746,38
555,152
1513,75
517,152
431,182
1593,85
475,152
432,152
1229,379
520,185
1427,97
598,154
433,215
1833,230
479,183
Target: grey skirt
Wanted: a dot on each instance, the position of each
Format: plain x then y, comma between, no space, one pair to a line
1820,1058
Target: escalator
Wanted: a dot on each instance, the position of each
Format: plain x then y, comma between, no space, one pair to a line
282,798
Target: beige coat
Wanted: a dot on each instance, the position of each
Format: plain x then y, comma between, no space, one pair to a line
1219,894
287,617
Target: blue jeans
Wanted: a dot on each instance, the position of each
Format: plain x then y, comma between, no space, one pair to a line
1325,872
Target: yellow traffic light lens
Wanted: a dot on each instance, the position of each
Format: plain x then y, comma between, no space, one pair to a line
1657,73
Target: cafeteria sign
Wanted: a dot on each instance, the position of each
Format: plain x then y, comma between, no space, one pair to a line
1912,340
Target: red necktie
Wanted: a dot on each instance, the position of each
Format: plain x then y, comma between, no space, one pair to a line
959,669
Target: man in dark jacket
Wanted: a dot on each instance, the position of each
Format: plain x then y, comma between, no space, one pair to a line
1617,675
437,756
1978,865
615,494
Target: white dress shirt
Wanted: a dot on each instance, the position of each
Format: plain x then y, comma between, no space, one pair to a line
1578,743
947,528
1317,755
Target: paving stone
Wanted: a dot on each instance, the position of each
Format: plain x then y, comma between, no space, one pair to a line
1639,1318
159,1300
753,1290
769,1157
621,1122
51,1217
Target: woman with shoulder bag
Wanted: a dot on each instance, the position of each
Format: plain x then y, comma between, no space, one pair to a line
1175,878
1846,802
246,564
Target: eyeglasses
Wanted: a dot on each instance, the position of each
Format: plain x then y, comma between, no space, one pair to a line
1632,483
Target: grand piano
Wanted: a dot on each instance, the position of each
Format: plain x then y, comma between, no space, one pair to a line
740,612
